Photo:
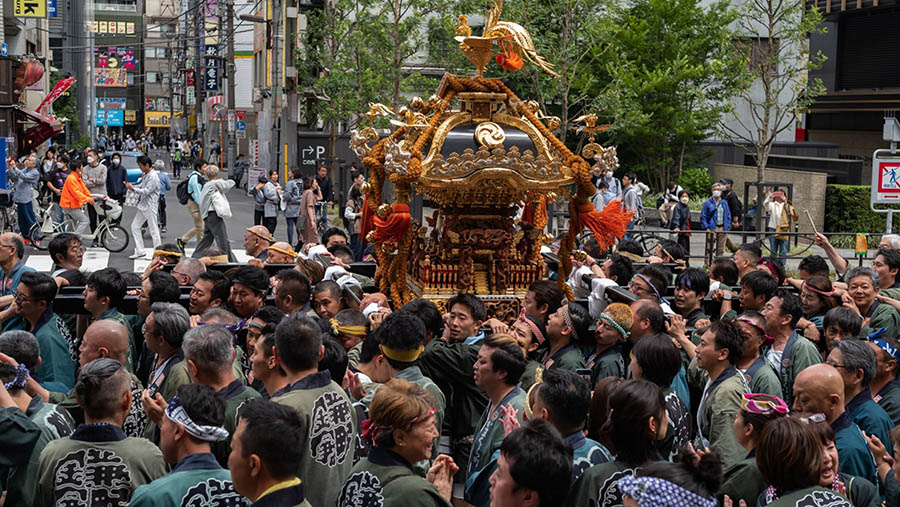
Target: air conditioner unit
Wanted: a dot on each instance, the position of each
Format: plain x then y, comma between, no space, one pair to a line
290,72
258,95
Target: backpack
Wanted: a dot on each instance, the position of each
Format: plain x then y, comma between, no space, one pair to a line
182,189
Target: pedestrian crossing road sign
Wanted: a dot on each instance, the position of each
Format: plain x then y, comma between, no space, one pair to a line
30,8
885,179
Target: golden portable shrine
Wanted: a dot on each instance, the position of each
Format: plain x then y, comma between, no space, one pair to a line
480,154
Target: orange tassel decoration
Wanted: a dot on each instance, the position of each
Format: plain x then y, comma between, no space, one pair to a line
365,222
394,227
509,59
607,225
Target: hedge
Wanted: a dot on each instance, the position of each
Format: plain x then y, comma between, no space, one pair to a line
847,210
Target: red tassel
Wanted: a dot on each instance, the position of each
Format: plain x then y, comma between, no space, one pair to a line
396,224
607,225
533,210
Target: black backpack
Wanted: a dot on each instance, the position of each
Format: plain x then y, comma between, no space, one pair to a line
182,189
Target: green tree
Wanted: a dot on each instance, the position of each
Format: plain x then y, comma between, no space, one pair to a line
669,71
775,49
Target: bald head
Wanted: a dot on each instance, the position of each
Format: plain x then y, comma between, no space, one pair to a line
819,389
104,338
256,239
277,253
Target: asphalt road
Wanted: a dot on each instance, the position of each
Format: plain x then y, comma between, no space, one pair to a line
178,222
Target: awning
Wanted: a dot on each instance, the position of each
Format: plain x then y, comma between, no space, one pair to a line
32,136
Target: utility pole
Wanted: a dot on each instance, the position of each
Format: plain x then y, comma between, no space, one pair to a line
171,90
89,17
277,87
229,69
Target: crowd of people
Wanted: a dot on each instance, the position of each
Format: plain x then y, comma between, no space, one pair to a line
201,381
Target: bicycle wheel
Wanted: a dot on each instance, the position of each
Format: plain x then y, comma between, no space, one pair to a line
39,239
114,238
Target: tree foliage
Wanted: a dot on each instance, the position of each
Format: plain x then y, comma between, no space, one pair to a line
775,49
668,72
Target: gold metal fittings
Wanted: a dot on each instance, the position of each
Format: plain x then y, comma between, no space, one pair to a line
490,135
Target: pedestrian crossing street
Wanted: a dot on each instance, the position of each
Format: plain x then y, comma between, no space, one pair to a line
98,258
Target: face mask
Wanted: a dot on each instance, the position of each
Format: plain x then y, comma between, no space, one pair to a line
685,200
59,165
717,193
90,160
609,174
116,161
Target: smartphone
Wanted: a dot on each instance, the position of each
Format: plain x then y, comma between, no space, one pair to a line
584,373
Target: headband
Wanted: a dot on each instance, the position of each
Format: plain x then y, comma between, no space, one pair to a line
290,253
176,413
370,427
535,326
257,325
887,347
22,375
219,259
817,291
167,254
767,340
769,266
337,328
268,238
568,319
403,356
647,280
653,492
752,403
614,324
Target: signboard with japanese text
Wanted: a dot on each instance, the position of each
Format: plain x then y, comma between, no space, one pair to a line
156,104
130,117
111,77
191,97
211,76
30,8
112,27
111,102
51,8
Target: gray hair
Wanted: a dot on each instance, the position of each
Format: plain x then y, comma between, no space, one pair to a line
159,165
21,346
191,267
219,316
893,240
172,321
862,271
100,386
211,171
18,243
716,184
210,347
858,356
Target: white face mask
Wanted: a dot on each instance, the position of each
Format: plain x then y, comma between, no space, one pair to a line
59,165
609,174
685,200
90,160
115,161
717,193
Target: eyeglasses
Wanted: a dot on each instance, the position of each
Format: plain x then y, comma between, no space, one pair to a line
20,298
8,246
77,249
180,275
835,365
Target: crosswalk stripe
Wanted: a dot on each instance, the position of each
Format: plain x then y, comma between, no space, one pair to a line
94,259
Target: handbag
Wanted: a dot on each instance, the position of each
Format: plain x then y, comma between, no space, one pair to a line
132,198
301,221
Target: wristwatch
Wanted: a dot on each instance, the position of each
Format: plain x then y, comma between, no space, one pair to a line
726,296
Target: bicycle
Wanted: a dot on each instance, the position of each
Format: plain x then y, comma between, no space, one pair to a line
9,219
322,214
113,237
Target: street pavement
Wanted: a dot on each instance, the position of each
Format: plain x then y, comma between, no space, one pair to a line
178,222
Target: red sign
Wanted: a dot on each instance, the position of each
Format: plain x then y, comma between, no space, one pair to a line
889,178
240,113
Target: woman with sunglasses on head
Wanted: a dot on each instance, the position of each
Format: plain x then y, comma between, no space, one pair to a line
636,420
743,481
860,491
817,296
790,457
760,375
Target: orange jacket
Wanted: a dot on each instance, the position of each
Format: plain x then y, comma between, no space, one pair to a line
74,193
